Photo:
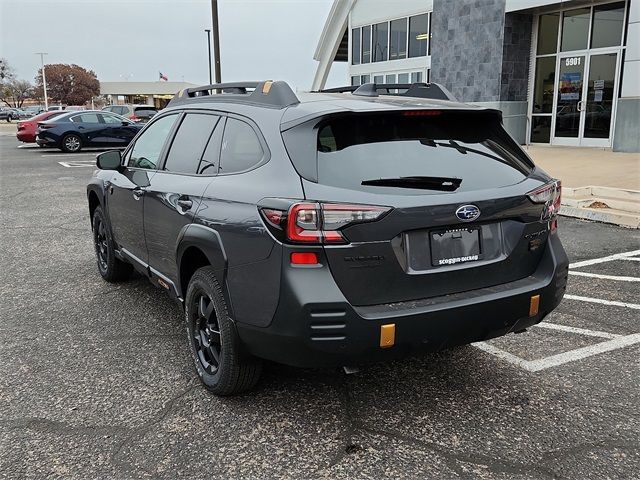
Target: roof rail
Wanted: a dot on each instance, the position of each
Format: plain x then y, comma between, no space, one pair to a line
276,94
418,90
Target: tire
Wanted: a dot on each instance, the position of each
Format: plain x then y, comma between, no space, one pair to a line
214,345
71,143
111,269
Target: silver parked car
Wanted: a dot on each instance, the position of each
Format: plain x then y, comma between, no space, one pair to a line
136,113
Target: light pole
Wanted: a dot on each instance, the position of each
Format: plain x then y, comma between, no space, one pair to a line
44,80
209,50
216,39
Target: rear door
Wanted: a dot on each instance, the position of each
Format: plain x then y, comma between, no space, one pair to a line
456,184
127,189
90,127
175,191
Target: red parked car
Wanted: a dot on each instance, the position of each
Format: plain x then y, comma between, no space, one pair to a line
27,128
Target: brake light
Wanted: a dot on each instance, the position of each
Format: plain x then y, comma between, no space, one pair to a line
44,126
422,113
550,195
320,222
133,118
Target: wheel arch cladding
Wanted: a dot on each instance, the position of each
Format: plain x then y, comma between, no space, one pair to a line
198,247
94,202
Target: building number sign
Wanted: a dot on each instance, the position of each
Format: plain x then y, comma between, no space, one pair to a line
573,61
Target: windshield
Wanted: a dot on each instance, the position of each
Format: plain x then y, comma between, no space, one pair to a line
417,153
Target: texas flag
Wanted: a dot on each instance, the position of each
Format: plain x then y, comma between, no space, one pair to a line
163,77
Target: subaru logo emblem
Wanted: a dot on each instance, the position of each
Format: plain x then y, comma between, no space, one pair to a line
467,213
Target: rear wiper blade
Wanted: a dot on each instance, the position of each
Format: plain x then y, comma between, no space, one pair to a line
444,184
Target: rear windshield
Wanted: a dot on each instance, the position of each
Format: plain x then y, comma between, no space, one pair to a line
145,111
411,153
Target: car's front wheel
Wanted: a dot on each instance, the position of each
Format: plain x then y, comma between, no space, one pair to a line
213,342
111,268
71,143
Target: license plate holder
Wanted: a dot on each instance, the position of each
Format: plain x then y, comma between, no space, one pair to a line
456,245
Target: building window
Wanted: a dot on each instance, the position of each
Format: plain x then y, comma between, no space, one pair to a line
416,77
608,24
355,46
380,35
398,46
548,33
575,29
365,79
403,78
541,129
418,35
378,79
366,44
544,85
390,79
355,80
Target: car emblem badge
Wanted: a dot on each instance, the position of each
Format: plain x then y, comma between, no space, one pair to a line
467,213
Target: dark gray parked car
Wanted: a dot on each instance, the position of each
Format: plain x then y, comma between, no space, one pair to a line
332,228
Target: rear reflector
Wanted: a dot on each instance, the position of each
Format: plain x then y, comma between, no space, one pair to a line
534,305
304,258
387,335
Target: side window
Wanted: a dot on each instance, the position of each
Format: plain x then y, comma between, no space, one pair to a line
241,148
86,118
121,110
189,143
112,119
146,151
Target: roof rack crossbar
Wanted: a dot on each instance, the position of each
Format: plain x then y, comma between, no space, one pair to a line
420,90
269,93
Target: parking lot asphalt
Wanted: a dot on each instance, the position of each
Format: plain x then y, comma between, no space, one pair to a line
95,381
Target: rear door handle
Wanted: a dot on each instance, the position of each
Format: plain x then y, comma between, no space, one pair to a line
137,193
185,203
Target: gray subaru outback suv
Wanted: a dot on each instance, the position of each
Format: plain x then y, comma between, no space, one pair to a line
330,228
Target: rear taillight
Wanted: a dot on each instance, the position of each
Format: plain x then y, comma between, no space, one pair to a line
133,118
44,126
549,194
320,222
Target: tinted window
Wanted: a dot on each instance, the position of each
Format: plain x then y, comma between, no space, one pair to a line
241,148
189,143
608,22
366,44
358,148
575,29
548,33
121,110
398,47
86,118
418,35
355,46
145,111
146,151
380,34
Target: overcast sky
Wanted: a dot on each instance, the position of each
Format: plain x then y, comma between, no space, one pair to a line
259,39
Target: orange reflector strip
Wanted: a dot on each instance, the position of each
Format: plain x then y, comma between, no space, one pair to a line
267,86
534,305
387,335
306,258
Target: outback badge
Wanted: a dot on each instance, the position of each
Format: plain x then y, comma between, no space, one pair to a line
467,213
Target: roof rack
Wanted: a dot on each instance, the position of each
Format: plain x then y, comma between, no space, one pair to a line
419,90
276,94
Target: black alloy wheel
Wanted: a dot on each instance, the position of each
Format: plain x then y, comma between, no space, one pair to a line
111,268
206,333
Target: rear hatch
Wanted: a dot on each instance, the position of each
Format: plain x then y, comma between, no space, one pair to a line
455,184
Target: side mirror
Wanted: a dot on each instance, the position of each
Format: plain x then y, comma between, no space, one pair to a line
110,160
125,123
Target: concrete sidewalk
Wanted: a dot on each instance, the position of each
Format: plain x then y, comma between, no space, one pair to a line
581,167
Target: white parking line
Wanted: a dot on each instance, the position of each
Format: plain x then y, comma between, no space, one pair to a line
579,331
77,164
633,259
60,155
602,302
605,277
561,358
593,261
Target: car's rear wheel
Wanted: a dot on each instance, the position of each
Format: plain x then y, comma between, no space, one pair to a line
213,342
71,143
110,268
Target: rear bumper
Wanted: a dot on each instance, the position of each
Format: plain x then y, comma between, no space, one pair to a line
26,137
315,326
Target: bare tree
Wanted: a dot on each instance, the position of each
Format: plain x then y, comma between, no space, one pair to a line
13,92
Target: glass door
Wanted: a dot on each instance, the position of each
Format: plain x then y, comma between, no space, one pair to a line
585,99
569,100
599,99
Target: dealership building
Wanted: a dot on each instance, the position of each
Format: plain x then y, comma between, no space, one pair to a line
563,73
157,94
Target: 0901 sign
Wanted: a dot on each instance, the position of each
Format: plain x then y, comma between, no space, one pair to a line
573,61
